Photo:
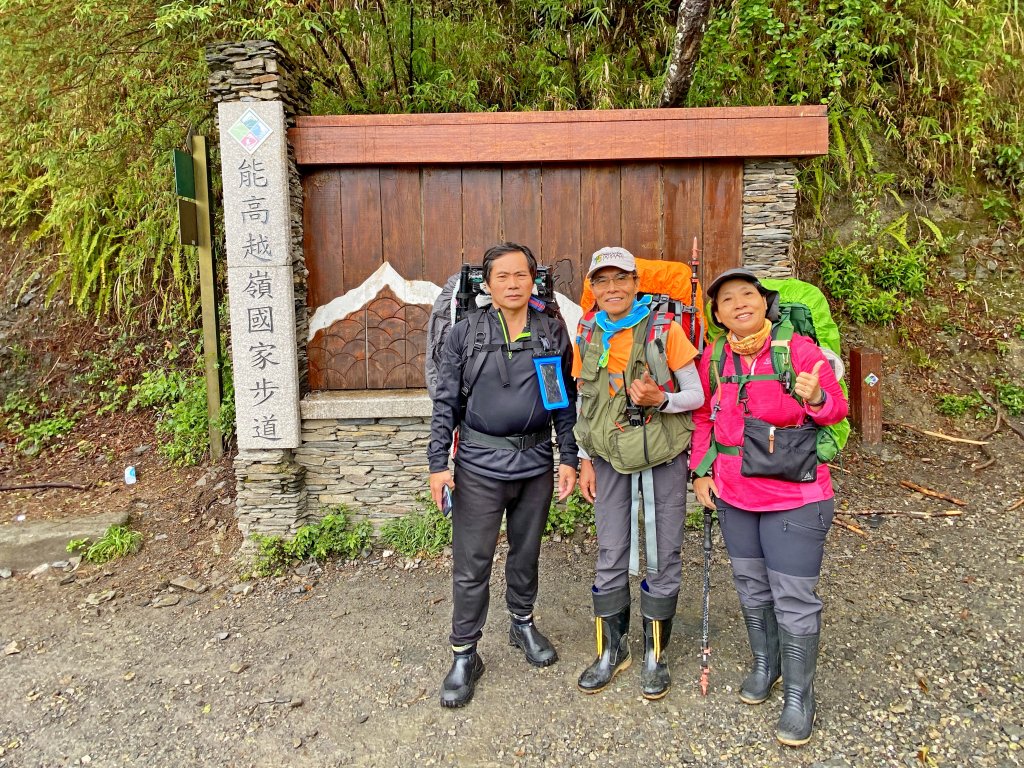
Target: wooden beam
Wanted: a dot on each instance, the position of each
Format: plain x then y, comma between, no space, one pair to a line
577,136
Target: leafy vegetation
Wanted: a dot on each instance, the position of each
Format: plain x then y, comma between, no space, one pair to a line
695,517
118,541
922,97
178,395
956,406
565,518
333,536
933,81
879,274
31,424
1011,397
426,532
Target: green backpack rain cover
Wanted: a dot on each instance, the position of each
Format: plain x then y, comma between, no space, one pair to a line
803,309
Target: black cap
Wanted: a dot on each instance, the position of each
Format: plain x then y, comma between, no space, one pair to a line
738,273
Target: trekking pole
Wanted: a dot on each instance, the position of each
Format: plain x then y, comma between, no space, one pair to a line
705,647
694,266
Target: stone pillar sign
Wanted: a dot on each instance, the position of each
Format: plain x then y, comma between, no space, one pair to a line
257,221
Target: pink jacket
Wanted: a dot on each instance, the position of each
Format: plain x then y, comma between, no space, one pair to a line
767,401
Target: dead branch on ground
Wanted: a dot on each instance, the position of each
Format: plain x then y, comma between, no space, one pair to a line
933,494
939,435
849,526
41,486
902,513
991,459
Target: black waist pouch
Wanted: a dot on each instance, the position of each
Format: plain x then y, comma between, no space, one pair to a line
781,453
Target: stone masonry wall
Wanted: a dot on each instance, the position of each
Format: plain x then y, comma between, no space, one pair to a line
375,466
769,206
272,496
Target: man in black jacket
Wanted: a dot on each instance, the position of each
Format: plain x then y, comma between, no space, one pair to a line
504,462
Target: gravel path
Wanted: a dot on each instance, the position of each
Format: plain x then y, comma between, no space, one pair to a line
922,656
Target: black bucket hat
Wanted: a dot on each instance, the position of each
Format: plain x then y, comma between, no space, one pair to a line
739,273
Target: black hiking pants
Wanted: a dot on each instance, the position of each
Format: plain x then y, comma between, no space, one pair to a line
479,502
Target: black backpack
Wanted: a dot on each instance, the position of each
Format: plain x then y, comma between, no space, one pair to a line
463,296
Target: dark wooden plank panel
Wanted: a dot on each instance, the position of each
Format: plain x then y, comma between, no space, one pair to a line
600,209
481,212
560,228
401,221
520,206
361,224
636,138
640,191
441,200
683,185
723,217
322,239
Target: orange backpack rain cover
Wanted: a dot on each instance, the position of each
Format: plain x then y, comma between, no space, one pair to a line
673,278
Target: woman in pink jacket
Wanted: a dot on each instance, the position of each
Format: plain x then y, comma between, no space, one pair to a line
774,503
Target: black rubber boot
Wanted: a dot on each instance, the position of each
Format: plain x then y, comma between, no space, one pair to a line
765,672
524,634
459,683
655,679
611,618
799,664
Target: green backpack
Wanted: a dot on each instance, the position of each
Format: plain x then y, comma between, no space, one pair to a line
798,307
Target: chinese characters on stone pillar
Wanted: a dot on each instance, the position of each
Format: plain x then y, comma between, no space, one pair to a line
257,227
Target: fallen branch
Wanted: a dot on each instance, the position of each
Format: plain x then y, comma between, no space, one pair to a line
841,469
991,459
1016,505
904,513
998,410
933,494
849,526
41,486
984,464
939,435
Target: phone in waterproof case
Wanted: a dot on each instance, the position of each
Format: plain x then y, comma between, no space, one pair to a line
446,501
552,386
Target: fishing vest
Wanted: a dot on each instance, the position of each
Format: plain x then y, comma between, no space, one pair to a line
603,428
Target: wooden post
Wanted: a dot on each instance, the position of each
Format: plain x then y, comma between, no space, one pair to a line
866,394
208,296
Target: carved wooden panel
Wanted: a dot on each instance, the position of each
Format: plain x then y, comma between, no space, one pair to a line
337,355
424,222
380,346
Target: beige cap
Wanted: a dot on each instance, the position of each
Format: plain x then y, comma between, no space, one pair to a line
612,256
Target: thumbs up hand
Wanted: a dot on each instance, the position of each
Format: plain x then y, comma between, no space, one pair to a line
645,391
807,385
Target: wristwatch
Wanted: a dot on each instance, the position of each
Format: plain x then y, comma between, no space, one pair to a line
820,403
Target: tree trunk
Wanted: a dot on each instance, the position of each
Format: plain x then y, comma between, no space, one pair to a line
691,22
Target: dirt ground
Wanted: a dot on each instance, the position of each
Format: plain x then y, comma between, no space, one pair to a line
921,660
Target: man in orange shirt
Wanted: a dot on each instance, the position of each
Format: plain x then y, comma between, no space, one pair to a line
633,436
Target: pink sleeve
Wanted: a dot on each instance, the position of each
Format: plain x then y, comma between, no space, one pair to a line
805,354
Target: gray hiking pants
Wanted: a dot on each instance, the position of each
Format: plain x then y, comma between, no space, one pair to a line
612,517
776,558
